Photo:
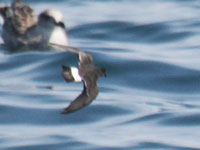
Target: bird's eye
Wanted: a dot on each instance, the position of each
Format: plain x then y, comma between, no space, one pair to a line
61,24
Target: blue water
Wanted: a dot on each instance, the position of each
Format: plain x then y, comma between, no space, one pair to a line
150,99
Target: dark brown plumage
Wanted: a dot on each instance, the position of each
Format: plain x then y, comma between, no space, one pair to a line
89,75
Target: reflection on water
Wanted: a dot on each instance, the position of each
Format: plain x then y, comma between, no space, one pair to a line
149,100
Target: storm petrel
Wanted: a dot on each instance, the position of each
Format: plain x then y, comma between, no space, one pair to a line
87,73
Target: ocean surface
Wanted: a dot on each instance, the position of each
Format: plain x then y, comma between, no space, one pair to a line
150,99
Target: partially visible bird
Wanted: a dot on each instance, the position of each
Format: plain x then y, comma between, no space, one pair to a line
22,29
87,73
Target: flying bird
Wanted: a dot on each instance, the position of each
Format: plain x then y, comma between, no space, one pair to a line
22,29
87,73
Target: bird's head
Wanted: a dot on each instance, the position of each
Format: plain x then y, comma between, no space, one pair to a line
52,15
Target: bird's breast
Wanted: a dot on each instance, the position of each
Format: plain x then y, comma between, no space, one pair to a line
59,36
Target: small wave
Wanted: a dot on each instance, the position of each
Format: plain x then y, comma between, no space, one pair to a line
189,119
128,32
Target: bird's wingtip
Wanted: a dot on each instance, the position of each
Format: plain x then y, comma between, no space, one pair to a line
67,111
63,112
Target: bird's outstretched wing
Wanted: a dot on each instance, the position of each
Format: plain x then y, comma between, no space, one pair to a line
89,93
84,99
65,48
84,58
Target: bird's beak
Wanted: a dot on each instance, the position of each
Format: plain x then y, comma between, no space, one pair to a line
104,72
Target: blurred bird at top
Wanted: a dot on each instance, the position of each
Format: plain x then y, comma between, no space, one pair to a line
22,29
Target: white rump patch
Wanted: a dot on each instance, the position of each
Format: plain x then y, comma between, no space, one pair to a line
75,74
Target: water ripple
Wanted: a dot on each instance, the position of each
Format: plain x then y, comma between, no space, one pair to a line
149,99
128,32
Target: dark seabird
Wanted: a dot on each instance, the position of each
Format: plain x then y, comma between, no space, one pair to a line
87,73
22,29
